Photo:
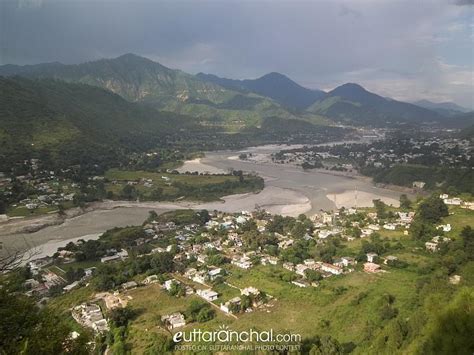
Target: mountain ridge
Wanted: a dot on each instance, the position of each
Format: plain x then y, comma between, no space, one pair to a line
274,85
447,109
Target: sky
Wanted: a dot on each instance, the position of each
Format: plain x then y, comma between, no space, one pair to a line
405,49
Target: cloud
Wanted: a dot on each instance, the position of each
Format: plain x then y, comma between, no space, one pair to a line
316,43
464,2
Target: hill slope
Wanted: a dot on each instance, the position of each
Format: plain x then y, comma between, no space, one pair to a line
274,85
67,122
351,103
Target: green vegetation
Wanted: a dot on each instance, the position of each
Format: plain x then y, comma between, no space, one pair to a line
461,180
172,186
27,329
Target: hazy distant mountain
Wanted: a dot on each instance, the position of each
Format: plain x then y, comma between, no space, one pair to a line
351,103
274,85
448,109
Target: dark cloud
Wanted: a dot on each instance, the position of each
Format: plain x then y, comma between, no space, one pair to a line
318,43
464,2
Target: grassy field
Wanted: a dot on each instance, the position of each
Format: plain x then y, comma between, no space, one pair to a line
22,211
174,186
306,311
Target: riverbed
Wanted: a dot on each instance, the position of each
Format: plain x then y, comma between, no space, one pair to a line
288,191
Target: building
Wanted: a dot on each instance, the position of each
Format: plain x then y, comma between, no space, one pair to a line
213,274
243,262
371,267
71,286
390,258
455,201
333,269
371,257
389,226
431,246
249,291
150,279
289,266
418,184
299,284
301,268
174,320
169,283
229,305
129,285
445,227
346,261
208,294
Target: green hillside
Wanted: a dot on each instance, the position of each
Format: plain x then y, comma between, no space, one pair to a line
67,123
138,79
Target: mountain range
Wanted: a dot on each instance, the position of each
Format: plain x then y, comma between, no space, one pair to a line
236,104
274,85
443,108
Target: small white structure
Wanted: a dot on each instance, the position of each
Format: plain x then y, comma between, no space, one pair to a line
445,227
213,274
173,321
169,283
390,258
249,291
226,307
431,246
371,257
389,226
150,279
208,295
455,201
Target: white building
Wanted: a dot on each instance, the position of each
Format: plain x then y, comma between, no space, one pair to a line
208,294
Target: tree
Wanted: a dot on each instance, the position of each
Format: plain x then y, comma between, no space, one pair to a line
326,346
199,311
121,316
3,207
177,289
467,235
129,192
381,209
313,275
25,329
12,258
420,230
156,194
405,202
432,209
205,314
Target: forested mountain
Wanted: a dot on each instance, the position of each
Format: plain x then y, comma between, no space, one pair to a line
68,122
351,103
274,85
139,79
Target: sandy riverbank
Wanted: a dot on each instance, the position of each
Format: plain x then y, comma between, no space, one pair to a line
197,165
354,198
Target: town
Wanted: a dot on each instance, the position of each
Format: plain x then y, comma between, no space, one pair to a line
207,256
